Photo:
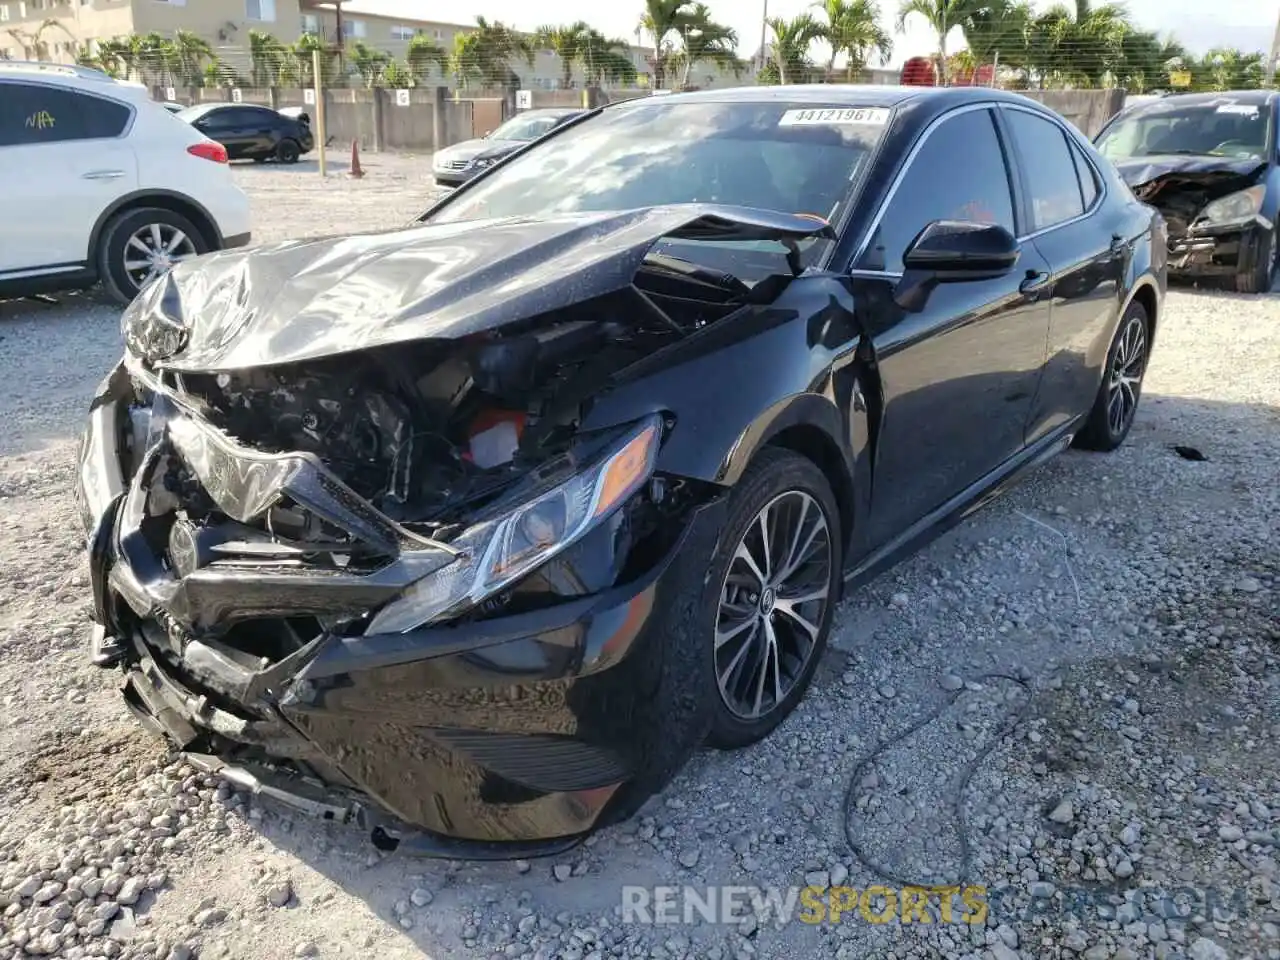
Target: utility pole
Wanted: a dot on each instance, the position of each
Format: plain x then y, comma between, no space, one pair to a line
764,24
1275,55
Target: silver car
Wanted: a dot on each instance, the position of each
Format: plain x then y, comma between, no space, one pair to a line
457,164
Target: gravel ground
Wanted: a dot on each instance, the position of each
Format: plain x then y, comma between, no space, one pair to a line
1072,700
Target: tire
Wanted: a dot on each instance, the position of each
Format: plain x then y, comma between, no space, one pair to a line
1263,275
288,151
1130,352
122,284
787,485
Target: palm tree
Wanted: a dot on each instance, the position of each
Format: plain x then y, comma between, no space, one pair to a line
663,20
998,30
706,41
943,16
266,56
486,53
853,28
565,43
113,56
791,41
604,59
190,50
301,52
370,63
422,53
1228,69
1146,61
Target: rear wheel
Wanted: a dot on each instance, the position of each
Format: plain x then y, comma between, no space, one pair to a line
1117,401
776,581
288,151
139,245
1263,275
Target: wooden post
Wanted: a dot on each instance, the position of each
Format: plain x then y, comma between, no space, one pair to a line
321,137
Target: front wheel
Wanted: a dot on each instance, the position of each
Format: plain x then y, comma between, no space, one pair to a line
139,245
288,151
1262,277
1117,401
776,581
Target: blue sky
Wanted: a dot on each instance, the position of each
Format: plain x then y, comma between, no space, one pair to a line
1248,24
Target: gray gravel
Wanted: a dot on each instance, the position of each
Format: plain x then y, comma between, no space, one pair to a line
1095,654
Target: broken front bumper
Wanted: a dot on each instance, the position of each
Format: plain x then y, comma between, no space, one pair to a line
1219,251
508,736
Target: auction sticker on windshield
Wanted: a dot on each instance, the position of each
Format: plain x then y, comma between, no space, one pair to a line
871,116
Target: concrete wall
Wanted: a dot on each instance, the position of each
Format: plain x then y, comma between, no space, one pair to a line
373,117
1087,109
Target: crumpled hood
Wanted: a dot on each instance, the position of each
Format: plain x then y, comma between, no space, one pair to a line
301,300
1139,170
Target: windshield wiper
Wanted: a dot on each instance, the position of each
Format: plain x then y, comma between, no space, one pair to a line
708,276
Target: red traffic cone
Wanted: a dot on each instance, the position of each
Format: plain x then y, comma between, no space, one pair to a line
355,171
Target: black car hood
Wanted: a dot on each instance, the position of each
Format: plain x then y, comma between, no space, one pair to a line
301,300
1139,170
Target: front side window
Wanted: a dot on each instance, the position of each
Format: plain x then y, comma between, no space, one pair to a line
1221,127
33,113
1049,168
959,173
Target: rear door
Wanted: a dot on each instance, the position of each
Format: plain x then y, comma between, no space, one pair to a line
1087,248
959,376
63,160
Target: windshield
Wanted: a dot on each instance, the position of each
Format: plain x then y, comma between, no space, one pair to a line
1223,128
526,128
785,157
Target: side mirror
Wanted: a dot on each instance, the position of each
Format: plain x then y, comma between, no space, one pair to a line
953,251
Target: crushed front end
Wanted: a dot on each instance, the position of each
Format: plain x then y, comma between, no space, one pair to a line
404,598
1214,214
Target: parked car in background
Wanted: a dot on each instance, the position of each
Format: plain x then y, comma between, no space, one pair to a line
251,132
99,183
471,532
457,164
1209,163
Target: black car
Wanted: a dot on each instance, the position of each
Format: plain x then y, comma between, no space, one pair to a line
457,164
251,132
471,532
1209,163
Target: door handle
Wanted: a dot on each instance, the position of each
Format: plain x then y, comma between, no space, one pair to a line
103,175
1034,283
1117,243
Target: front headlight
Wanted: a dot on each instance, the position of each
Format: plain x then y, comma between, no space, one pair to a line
1235,207
497,553
481,162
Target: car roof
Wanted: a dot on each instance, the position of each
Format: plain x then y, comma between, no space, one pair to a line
550,112
854,95
88,79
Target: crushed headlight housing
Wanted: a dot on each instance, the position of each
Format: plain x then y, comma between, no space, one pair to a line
1235,207
497,553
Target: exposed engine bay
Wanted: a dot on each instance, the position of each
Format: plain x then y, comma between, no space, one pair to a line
1182,196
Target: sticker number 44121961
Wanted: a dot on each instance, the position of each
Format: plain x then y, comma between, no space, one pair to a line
827,116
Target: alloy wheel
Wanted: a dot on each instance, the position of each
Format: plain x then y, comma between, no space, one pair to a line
772,604
1126,375
152,251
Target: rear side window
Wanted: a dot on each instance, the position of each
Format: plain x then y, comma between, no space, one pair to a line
959,174
32,113
1088,177
1050,169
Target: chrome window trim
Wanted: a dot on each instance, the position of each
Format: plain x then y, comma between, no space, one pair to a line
902,173
1100,180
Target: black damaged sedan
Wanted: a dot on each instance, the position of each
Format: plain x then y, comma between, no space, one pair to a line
471,532
1208,163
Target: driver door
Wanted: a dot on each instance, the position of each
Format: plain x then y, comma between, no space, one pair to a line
960,375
